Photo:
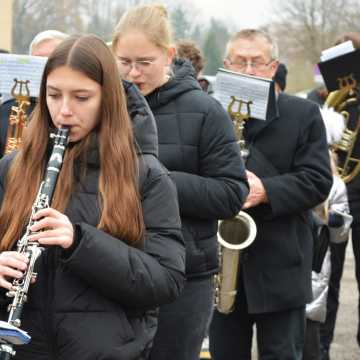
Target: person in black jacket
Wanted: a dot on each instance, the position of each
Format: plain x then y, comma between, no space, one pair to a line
198,145
338,251
113,245
289,173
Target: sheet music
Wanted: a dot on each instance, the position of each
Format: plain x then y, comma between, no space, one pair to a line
21,67
338,50
244,87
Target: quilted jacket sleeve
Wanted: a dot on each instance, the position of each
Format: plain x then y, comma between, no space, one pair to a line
134,277
220,188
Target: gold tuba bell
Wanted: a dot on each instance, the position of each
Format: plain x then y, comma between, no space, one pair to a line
346,101
236,233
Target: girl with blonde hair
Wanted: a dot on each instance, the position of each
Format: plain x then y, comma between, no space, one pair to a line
198,145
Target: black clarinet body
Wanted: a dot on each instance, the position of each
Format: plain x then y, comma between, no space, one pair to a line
10,333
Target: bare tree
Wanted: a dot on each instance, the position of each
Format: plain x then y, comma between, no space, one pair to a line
214,45
312,25
306,27
102,16
33,16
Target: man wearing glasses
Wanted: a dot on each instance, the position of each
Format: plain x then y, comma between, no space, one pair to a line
289,173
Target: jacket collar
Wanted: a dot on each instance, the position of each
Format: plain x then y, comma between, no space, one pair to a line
181,81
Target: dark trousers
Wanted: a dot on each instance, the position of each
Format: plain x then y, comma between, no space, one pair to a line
183,324
312,341
280,335
337,264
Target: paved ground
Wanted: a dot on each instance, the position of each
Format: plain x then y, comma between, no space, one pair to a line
344,346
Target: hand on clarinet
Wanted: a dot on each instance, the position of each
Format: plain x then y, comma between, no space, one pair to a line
54,228
257,194
12,266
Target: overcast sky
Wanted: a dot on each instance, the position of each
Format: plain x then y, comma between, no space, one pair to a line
240,13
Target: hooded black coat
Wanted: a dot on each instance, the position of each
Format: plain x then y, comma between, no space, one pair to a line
197,144
98,300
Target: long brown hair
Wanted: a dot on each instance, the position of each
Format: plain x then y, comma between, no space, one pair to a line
121,212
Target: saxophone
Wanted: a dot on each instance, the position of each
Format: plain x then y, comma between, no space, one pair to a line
10,332
236,233
18,115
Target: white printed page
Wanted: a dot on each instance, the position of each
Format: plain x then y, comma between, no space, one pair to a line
21,67
243,87
338,50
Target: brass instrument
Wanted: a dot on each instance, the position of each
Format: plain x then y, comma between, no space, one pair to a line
346,102
239,119
236,233
18,115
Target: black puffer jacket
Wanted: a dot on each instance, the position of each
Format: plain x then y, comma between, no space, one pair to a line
197,144
99,300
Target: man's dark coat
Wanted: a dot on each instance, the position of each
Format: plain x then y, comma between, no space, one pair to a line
289,153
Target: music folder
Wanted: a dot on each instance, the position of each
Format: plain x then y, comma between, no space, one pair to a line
21,67
341,70
258,91
9,334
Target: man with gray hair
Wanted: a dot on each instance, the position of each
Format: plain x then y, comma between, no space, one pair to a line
45,42
289,173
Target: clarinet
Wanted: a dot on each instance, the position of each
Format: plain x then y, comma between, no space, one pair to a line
10,332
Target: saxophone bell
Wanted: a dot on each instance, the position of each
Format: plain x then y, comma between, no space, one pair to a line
234,235
238,232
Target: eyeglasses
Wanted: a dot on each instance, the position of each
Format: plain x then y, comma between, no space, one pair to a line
140,65
255,64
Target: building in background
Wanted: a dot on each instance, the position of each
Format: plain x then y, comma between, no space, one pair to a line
6,24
